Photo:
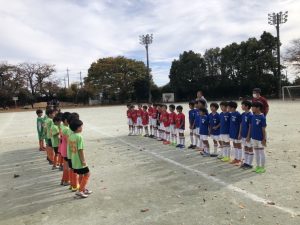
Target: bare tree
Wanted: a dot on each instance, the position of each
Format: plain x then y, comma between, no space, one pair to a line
36,74
293,54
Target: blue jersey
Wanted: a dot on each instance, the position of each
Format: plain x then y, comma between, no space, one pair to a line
197,118
257,123
225,122
246,122
192,116
214,120
204,123
235,123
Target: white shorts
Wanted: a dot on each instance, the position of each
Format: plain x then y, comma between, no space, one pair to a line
245,143
224,137
235,141
215,137
180,131
203,137
139,121
130,122
172,129
256,144
153,122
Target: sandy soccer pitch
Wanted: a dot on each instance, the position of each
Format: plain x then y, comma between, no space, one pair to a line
137,180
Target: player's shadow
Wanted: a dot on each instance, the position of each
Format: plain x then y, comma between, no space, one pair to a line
189,162
28,184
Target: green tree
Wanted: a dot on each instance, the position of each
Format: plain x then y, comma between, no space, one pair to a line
118,77
293,54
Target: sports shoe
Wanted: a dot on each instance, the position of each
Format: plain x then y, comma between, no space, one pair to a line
146,135
261,170
256,169
81,194
205,154
225,159
194,147
178,146
190,147
73,189
87,192
181,146
220,157
62,183
166,142
214,155
66,183
61,168
54,167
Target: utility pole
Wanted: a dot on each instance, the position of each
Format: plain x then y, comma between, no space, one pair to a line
68,76
276,19
65,82
147,40
80,79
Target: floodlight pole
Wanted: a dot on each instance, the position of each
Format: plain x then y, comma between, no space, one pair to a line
277,19
147,40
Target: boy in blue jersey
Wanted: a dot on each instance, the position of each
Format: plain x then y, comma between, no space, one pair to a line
244,133
204,132
214,127
224,132
197,125
234,131
258,136
192,124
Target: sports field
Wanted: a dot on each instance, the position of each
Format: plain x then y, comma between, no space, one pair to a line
137,180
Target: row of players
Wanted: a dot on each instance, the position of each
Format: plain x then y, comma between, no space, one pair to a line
246,131
64,148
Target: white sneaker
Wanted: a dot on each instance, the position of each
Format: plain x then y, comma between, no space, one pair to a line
81,194
87,192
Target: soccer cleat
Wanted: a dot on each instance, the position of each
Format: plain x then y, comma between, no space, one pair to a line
181,146
261,170
214,155
62,183
66,183
190,147
225,159
54,167
87,192
73,189
220,157
81,194
256,169
194,147
205,154
178,146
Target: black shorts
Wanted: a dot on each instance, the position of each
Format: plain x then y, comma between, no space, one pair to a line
55,150
49,142
70,163
66,159
84,170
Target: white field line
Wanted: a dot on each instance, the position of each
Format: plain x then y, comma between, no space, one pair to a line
216,180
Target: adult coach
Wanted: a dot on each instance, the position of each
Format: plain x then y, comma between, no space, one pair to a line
200,96
258,98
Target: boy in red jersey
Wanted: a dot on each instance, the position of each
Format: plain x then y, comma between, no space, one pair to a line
139,113
130,123
154,121
165,125
159,133
180,126
134,119
172,121
150,112
145,120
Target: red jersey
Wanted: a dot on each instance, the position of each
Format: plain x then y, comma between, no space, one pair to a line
129,114
145,118
172,118
180,121
134,115
164,118
265,108
150,111
139,112
154,113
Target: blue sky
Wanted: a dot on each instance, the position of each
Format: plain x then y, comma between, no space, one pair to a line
74,33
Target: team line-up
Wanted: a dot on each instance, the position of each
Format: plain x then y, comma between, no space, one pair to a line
243,135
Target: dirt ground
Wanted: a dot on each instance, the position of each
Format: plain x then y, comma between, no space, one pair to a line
137,180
